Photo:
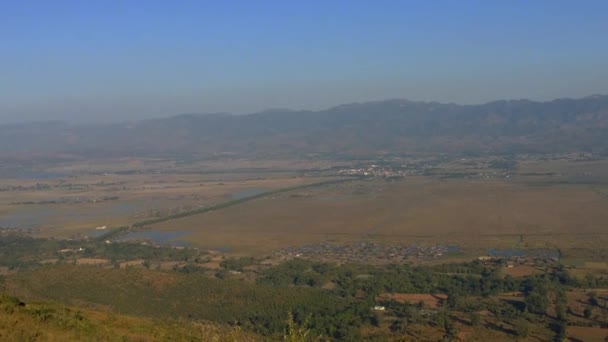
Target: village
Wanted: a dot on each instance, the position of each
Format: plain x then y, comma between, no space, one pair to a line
512,258
366,252
376,171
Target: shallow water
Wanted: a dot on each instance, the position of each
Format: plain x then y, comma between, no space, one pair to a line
28,174
39,216
26,217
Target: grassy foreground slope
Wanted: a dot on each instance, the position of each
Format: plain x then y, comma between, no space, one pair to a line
162,295
47,321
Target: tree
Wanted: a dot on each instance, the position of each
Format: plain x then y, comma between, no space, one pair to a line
536,303
593,298
522,328
453,300
588,311
475,319
560,311
560,304
374,320
590,280
296,333
560,331
443,319
398,326
536,291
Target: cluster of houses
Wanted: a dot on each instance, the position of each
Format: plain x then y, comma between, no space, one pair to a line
375,171
518,257
368,252
71,250
511,262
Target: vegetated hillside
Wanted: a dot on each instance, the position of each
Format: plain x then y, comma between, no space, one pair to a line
260,308
392,126
47,321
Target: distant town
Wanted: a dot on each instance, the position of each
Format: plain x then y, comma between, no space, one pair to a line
366,252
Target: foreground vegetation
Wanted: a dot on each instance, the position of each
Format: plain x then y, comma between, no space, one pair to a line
47,321
332,302
97,289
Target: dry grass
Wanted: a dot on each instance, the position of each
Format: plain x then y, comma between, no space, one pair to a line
471,213
587,334
430,300
520,271
141,196
475,213
132,263
92,261
52,322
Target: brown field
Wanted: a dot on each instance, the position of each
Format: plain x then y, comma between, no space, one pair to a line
213,264
430,300
578,298
132,263
466,332
520,271
587,334
580,268
556,203
471,213
92,261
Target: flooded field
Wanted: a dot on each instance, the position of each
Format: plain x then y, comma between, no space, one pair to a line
72,200
30,174
38,216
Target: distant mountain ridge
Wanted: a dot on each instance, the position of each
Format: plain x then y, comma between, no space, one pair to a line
357,129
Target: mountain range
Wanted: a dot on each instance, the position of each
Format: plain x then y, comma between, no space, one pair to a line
393,127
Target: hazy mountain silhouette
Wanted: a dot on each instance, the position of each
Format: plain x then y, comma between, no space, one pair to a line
356,129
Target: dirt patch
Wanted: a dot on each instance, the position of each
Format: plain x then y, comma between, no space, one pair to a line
519,271
92,261
131,263
329,285
430,300
596,265
169,265
587,334
213,264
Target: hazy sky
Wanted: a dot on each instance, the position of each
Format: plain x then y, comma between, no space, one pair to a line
118,60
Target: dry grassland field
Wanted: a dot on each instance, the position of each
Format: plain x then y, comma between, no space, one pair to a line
429,300
558,203
72,200
470,213
435,213
118,200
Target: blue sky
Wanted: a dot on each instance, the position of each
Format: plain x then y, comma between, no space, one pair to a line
118,60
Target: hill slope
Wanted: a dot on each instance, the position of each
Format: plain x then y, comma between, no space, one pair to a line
52,322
